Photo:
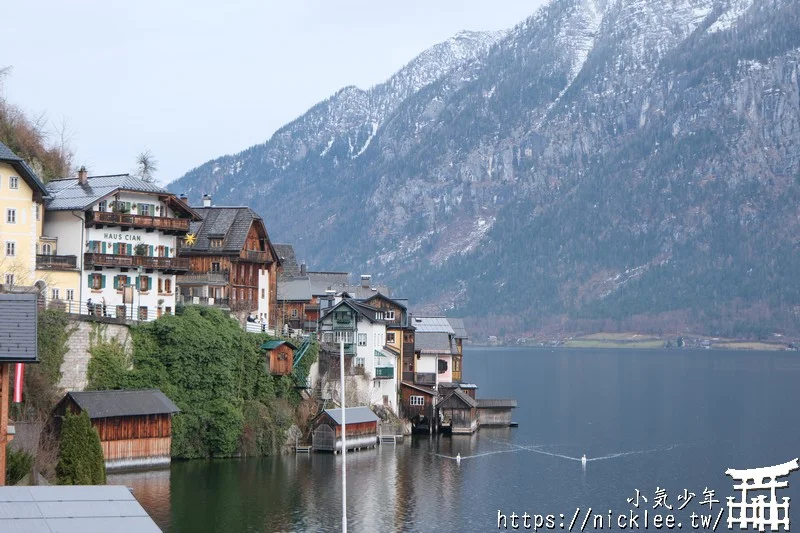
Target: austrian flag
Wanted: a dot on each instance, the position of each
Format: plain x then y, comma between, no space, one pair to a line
19,377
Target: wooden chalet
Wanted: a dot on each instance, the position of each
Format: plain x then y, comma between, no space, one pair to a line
232,262
495,412
458,412
362,429
135,426
280,356
417,405
399,331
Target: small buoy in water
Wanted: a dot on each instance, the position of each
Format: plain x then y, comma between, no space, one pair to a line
583,461
458,457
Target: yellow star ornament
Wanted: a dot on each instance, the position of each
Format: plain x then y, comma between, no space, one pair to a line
190,238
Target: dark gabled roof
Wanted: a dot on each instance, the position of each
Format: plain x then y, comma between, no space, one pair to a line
458,327
73,510
69,195
459,396
434,343
380,296
322,281
27,174
362,309
354,415
271,345
231,224
420,388
285,253
18,328
111,403
294,290
496,403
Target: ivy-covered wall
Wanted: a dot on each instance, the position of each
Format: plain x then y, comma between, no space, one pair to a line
214,372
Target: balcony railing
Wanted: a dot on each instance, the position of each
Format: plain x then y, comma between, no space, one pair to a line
204,278
255,256
384,372
425,378
174,264
56,262
138,221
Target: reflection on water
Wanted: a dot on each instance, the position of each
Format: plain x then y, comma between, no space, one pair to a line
644,420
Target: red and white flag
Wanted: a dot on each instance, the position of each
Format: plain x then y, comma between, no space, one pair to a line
19,376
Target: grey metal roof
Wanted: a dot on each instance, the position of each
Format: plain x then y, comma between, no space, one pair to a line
294,290
18,328
496,403
110,403
78,509
362,293
355,415
322,281
289,261
30,177
432,324
458,327
68,194
434,343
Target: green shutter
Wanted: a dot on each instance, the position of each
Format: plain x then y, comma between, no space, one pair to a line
90,281
151,250
149,282
116,282
127,280
103,281
166,251
103,247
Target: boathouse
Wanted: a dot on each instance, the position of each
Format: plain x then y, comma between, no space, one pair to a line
417,404
361,430
280,357
458,412
495,412
135,426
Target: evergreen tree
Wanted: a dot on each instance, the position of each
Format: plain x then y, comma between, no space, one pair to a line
80,457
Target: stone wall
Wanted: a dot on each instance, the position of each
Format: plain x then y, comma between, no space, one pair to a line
76,360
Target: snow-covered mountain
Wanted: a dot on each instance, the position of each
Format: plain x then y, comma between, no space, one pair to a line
604,159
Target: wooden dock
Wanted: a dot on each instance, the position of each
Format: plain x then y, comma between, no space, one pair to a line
302,449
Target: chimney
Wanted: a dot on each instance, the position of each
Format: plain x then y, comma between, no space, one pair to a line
206,200
184,197
83,176
365,279
302,269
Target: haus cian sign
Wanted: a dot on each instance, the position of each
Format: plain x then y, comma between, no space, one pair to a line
122,237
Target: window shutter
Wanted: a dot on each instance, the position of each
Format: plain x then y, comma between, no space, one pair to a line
147,283
103,281
127,280
151,250
90,280
166,251
129,249
103,247
138,283
116,282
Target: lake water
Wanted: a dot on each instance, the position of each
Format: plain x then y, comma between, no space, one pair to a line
646,420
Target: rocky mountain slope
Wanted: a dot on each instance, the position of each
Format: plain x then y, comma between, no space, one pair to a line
604,164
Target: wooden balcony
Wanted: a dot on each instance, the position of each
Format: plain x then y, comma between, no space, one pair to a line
254,256
204,278
425,378
384,372
56,262
170,225
167,264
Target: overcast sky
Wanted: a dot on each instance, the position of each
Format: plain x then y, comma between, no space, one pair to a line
191,81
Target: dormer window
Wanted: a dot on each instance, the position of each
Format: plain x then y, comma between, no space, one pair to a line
216,243
390,315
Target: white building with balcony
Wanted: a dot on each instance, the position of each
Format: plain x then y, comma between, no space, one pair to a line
122,234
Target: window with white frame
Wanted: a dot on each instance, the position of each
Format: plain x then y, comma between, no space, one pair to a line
11,216
360,362
55,293
11,248
390,314
390,337
362,339
417,400
47,248
9,279
70,294
13,182
102,206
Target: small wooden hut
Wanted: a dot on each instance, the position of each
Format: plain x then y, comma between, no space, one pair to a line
459,412
362,429
135,426
495,412
281,356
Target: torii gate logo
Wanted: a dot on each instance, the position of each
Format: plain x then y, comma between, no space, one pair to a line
760,512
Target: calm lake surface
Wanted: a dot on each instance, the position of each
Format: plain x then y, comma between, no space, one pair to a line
671,420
